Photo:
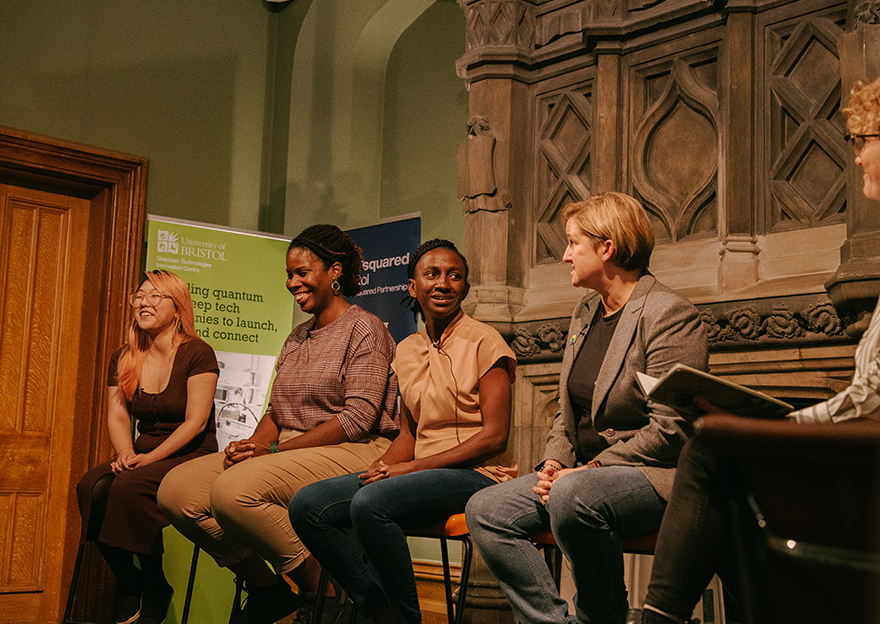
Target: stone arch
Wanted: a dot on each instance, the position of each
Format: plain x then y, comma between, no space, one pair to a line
337,107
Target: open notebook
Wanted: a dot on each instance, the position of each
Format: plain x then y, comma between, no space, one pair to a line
681,383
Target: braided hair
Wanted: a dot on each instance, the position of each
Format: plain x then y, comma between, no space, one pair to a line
332,245
436,243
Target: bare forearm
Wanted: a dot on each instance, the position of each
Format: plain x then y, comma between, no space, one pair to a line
267,430
401,449
481,446
178,439
120,434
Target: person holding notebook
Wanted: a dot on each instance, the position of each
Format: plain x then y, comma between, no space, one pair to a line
686,560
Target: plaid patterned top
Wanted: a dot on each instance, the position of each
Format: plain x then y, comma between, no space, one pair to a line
342,370
862,398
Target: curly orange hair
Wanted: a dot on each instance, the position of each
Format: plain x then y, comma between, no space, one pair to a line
863,111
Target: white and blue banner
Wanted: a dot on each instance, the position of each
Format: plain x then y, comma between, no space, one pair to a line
387,248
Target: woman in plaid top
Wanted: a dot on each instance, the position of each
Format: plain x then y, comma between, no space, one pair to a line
455,417
331,411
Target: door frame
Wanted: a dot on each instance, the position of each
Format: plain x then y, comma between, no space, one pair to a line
115,185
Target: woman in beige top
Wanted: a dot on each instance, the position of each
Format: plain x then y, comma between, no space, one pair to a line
454,380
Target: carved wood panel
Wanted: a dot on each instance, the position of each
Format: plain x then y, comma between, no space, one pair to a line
722,119
562,171
806,157
72,222
42,264
675,142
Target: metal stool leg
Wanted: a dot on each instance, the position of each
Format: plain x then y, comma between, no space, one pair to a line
73,580
465,577
190,584
447,581
319,597
236,601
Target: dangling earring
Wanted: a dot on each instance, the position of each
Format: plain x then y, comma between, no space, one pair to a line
335,287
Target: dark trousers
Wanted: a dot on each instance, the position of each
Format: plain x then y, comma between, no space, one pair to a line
693,544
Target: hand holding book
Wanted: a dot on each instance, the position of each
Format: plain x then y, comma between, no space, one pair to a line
681,383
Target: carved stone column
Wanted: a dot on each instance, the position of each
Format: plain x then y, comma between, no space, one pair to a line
857,281
739,254
493,184
493,181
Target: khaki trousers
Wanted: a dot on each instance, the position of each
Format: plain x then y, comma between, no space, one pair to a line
230,513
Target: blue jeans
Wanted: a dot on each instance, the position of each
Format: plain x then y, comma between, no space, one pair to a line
589,512
378,514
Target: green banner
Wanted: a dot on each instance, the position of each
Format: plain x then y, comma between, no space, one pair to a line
236,278
243,309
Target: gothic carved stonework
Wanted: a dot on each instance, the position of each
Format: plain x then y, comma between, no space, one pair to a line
766,323
808,159
477,188
866,13
563,167
500,22
577,19
783,323
675,146
547,339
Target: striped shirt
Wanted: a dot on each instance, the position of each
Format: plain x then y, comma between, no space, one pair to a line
342,370
861,398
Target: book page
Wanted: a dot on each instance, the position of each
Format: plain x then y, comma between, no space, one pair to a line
646,382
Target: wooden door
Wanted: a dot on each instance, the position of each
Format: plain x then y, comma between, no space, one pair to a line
43,242
71,222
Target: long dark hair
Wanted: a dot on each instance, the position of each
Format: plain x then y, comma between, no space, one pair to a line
332,245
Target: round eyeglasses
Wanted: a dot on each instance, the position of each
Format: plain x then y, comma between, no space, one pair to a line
153,298
858,141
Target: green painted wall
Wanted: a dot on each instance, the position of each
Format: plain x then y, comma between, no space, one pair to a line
181,83
253,115
375,112
426,109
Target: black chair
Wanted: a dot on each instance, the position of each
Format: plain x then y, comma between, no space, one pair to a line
804,517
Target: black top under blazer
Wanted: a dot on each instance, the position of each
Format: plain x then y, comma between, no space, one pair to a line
657,329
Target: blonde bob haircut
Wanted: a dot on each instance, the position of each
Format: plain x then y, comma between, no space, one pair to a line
863,111
620,218
128,371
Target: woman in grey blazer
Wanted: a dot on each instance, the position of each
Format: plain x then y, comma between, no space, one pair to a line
610,459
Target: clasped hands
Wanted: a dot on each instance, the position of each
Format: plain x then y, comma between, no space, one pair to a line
380,470
548,474
240,450
127,459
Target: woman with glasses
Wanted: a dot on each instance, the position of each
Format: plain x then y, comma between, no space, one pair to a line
164,378
863,122
332,410
693,543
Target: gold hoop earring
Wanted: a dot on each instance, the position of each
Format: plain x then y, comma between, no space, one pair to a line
335,287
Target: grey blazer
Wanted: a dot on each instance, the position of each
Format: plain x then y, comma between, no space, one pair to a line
657,329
